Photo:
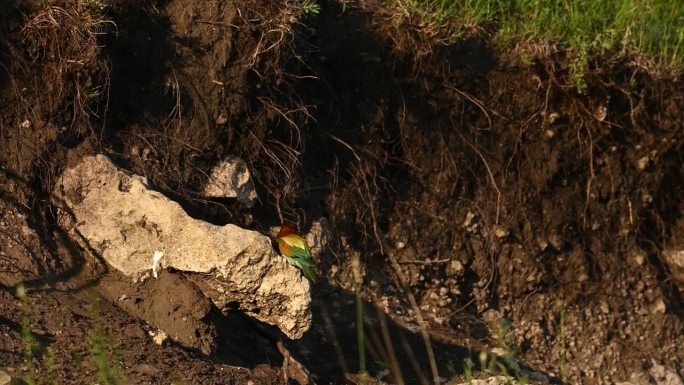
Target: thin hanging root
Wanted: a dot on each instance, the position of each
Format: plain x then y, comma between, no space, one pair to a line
491,176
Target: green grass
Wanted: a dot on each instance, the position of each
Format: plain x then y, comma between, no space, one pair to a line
563,347
26,335
310,7
99,347
652,29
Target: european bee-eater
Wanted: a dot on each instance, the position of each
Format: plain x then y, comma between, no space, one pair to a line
294,249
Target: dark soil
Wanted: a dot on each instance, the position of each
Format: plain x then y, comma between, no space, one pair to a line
522,213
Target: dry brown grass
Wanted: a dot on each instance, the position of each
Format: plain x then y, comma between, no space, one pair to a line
61,39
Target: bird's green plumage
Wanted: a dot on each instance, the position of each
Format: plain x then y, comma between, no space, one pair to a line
294,249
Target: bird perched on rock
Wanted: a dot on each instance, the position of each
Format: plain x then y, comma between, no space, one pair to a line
294,249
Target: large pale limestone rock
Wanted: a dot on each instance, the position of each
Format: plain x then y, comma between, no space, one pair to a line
119,218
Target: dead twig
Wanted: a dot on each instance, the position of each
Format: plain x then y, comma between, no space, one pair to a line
425,262
292,368
491,176
422,325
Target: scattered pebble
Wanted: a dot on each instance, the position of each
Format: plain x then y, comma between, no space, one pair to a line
639,258
543,244
663,375
159,336
553,117
501,232
382,374
601,112
556,241
468,219
5,379
659,306
456,266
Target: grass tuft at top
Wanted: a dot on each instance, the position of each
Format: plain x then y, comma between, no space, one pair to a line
652,30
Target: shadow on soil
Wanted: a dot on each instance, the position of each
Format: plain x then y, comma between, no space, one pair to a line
64,260
329,350
142,58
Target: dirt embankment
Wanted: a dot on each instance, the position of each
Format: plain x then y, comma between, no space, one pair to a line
520,212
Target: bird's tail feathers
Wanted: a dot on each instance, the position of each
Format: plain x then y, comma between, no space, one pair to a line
304,265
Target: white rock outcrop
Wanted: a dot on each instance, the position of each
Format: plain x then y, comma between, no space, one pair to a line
319,236
119,218
230,178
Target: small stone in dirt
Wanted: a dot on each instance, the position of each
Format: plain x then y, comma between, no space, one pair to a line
601,112
543,244
382,374
455,266
319,236
553,117
556,241
5,379
639,258
642,163
501,232
604,307
659,306
491,317
468,219
674,259
664,376
230,178
159,337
